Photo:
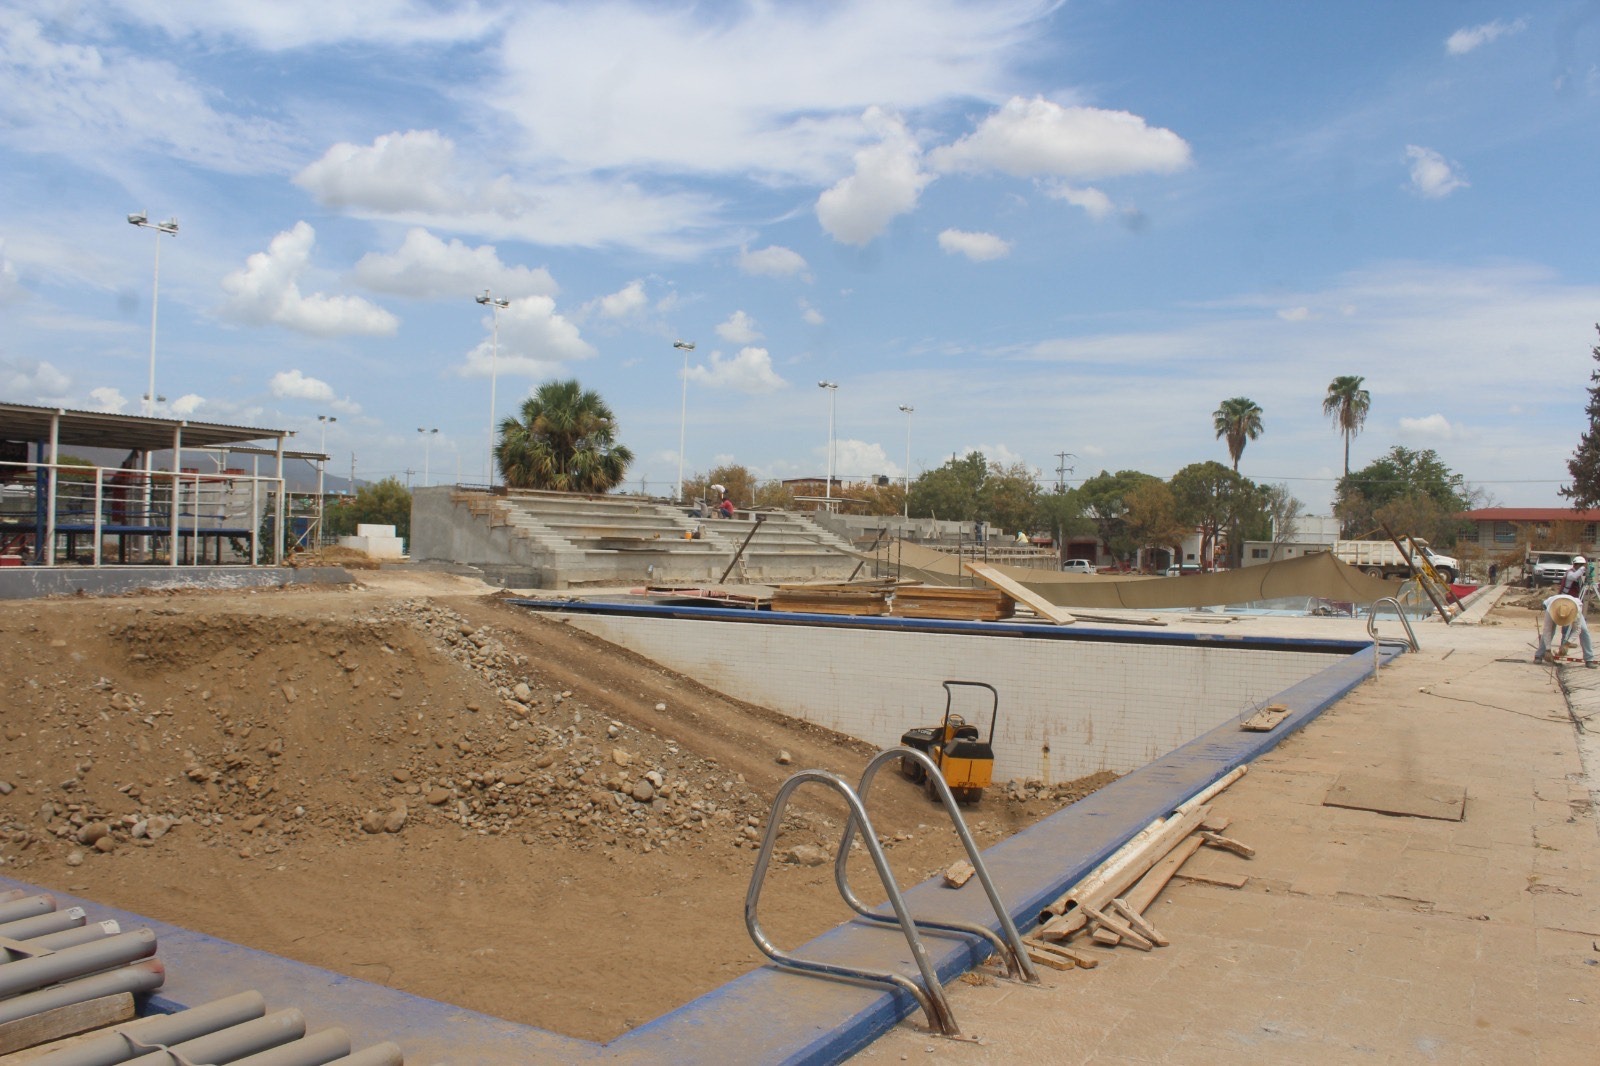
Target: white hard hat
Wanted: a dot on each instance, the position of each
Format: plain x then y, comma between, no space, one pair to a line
1578,560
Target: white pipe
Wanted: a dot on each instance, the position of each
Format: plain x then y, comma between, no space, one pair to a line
163,1029
140,977
314,1050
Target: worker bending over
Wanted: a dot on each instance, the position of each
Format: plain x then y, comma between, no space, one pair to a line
1564,611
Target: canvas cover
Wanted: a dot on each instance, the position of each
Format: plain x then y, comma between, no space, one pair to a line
1318,576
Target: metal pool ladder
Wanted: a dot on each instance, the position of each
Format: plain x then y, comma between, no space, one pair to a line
930,994
1372,623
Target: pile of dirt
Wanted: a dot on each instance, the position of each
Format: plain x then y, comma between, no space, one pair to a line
526,812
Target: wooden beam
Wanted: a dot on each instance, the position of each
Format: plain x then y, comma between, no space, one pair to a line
1022,594
61,1022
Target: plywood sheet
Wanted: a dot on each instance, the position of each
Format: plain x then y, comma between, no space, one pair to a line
1415,797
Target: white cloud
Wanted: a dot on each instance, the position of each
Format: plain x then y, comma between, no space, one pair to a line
740,328
749,371
31,380
887,182
1295,314
626,301
1432,427
1031,138
108,400
11,290
268,290
106,105
810,314
773,261
293,385
188,404
426,267
1468,38
859,459
285,24
997,454
1096,204
534,342
979,247
1431,174
411,171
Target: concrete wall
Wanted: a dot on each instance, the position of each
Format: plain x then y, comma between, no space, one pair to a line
31,582
1068,706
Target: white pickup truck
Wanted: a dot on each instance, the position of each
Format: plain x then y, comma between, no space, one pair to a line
1381,558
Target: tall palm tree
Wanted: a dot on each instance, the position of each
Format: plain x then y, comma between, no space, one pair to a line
1238,419
1347,404
564,440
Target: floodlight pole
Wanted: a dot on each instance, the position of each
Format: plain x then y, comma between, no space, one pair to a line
495,305
908,409
427,441
169,228
683,411
833,389
322,465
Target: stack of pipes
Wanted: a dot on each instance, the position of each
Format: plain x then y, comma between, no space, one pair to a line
51,958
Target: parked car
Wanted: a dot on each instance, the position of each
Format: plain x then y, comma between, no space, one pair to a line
1077,566
1182,569
1548,567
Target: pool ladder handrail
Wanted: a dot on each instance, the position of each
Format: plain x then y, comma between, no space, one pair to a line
1010,949
1372,623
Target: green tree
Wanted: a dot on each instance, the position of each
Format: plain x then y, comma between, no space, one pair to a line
1412,491
1347,403
950,491
564,439
1239,420
1008,497
1152,518
1212,498
1104,499
737,480
1061,515
382,503
1584,466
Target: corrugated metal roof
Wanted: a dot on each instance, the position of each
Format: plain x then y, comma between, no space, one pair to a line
1530,514
96,429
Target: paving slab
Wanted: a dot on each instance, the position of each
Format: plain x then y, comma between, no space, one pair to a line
1361,936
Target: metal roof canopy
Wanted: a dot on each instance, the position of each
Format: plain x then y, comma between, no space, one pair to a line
93,429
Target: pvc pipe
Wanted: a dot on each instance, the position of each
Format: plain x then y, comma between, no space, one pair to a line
140,977
25,975
225,1045
314,1050
71,938
384,1054
26,907
40,924
10,894
161,1029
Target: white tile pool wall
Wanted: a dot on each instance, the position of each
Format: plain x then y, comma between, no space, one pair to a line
1096,706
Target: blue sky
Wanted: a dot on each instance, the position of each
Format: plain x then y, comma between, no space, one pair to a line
1048,227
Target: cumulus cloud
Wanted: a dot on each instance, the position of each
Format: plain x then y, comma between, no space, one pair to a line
1096,204
267,290
1469,38
293,385
1040,138
740,328
534,341
773,261
810,314
30,380
887,182
626,301
426,267
859,459
1433,427
979,247
1432,175
187,404
107,400
411,171
748,371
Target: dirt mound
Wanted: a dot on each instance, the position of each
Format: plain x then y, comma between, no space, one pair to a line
296,769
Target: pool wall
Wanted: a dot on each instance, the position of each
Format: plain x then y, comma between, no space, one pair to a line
1072,701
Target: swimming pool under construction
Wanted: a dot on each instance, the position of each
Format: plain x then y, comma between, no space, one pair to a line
1159,705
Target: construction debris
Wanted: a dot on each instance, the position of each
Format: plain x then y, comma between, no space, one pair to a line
865,598
936,601
1266,719
958,873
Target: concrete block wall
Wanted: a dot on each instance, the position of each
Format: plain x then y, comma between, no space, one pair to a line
1068,707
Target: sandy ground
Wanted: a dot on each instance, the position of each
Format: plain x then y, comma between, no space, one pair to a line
414,783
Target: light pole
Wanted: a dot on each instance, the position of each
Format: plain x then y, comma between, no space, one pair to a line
427,441
833,389
322,464
170,228
683,414
496,305
908,409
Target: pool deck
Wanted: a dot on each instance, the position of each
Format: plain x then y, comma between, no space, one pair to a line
1360,936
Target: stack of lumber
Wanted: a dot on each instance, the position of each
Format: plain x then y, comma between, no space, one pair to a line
937,601
1109,904
865,598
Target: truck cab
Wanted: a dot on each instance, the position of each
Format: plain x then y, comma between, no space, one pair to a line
1547,567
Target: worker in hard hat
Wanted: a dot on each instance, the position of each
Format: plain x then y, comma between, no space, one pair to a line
1576,577
1564,611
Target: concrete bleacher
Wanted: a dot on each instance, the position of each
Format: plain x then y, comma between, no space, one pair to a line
530,539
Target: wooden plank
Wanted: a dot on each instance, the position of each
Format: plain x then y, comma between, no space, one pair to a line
1119,927
1078,958
1219,880
1139,923
54,1024
1217,823
1044,958
1217,840
1266,719
1150,885
1022,594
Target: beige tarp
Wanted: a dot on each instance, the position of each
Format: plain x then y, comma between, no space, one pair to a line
1320,576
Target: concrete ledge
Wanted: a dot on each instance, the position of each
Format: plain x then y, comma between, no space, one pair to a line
34,582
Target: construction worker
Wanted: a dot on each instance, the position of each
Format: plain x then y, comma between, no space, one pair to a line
1564,611
1574,580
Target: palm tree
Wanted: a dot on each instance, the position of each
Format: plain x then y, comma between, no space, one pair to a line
563,440
1238,419
1347,404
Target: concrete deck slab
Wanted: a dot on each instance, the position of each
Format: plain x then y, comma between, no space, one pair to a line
1361,937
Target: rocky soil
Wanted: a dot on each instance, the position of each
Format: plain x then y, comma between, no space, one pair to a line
544,827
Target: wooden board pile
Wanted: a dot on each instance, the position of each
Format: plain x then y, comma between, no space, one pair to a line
936,601
1109,905
859,598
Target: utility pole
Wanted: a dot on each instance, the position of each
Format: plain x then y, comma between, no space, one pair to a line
1062,470
351,488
